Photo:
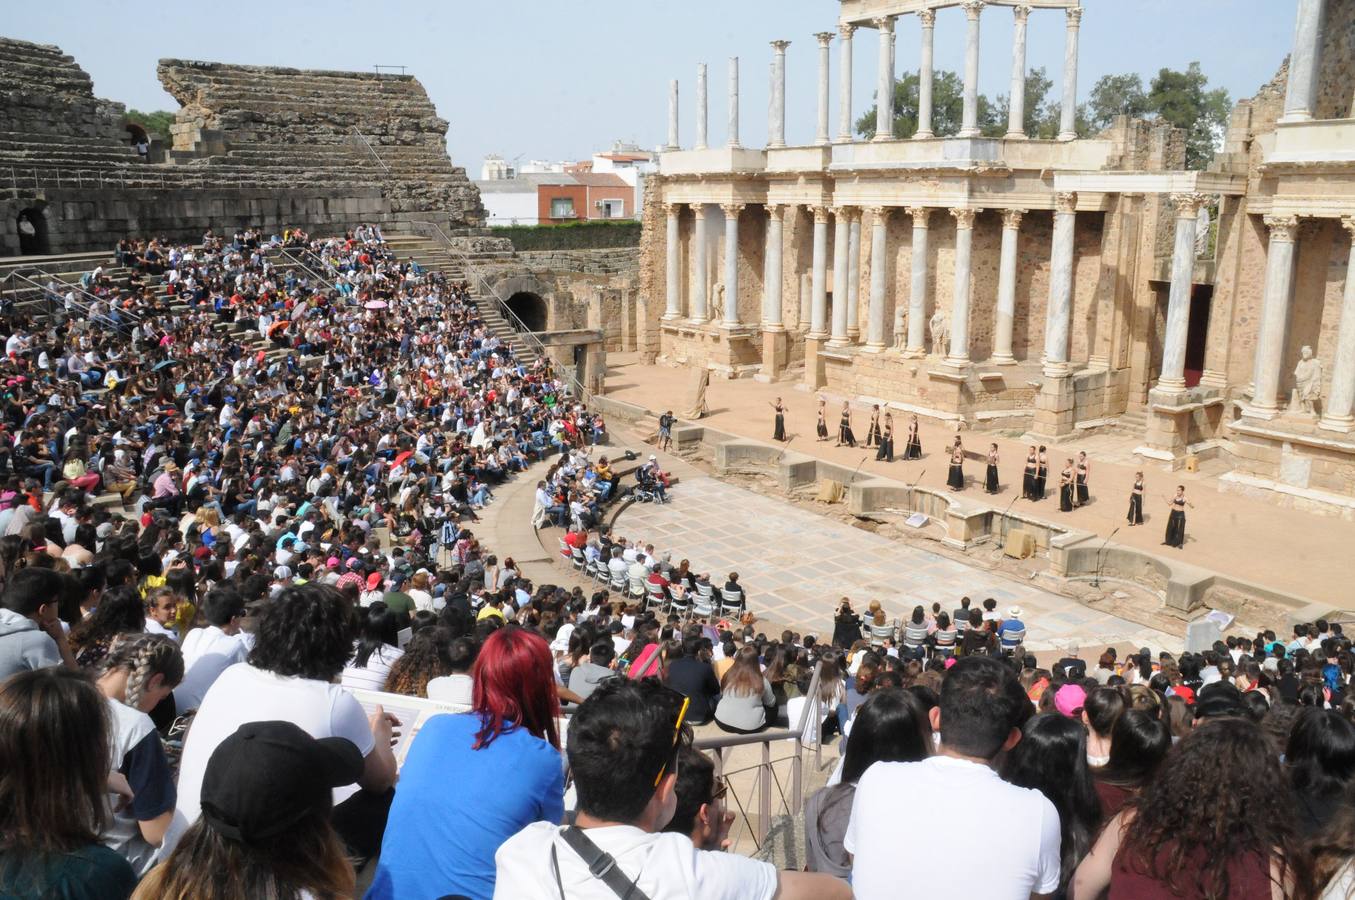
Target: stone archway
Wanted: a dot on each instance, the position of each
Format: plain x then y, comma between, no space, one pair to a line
529,308
31,223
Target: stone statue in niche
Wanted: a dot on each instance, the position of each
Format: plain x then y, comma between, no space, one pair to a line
940,332
717,301
1202,232
1307,383
900,328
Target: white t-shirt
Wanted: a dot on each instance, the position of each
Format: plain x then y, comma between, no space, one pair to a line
454,688
1016,830
372,677
207,652
664,866
246,694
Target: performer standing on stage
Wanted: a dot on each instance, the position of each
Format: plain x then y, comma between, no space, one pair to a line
956,477
1066,488
780,433
873,432
1176,522
822,427
1083,469
991,482
844,428
1028,479
913,450
886,451
1041,473
1136,500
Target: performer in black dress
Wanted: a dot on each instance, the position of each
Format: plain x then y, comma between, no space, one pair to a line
956,478
780,433
844,428
913,450
1066,488
990,483
873,432
822,427
886,451
1136,500
1083,469
1028,479
1176,521
1041,473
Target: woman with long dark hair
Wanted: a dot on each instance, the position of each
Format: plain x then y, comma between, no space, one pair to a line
1320,762
376,651
120,610
1216,821
1139,742
745,695
1051,758
443,831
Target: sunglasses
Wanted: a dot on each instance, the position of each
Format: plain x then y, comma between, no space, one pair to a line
677,733
721,789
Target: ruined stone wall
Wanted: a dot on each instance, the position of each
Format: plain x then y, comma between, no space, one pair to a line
1337,72
43,92
606,261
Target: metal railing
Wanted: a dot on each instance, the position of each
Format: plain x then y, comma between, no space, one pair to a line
135,177
127,317
317,276
372,150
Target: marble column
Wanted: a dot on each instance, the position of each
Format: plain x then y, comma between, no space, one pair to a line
959,306
700,274
673,264
884,85
879,274
1006,288
924,75
917,287
733,102
772,275
818,290
1068,110
969,127
821,134
1277,299
1300,93
1173,377
1336,412
672,115
844,82
1016,108
701,117
731,211
853,275
776,102
1059,313
841,244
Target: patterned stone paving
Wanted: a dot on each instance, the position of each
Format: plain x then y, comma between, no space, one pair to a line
797,564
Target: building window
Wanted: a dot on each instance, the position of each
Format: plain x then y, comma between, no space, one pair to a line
612,209
562,208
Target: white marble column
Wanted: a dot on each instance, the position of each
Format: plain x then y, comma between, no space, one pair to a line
824,38
701,111
672,115
1006,288
1059,313
700,272
970,125
1336,412
879,273
1068,110
1300,93
772,274
673,263
841,244
917,287
927,18
1173,377
818,285
1277,299
776,102
1016,107
731,211
959,306
733,102
844,82
884,84
853,275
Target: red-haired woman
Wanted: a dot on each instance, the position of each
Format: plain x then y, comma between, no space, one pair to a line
473,780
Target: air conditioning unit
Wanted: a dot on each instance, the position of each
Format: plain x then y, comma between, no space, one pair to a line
598,204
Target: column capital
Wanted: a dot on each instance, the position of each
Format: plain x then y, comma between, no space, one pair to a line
780,46
1188,204
972,8
1021,12
1348,223
732,210
775,210
673,209
884,23
920,215
1065,202
1074,16
1282,228
846,30
820,214
824,38
964,216
1011,218
927,18
842,211
879,213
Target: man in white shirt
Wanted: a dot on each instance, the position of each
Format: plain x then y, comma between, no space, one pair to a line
617,566
1016,830
624,801
207,652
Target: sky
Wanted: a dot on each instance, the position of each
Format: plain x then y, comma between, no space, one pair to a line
560,79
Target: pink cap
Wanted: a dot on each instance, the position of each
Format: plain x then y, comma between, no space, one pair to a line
1070,699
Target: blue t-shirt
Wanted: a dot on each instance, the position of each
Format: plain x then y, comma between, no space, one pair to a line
454,806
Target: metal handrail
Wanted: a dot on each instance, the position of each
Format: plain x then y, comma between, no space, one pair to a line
372,150
82,307
294,258
93,298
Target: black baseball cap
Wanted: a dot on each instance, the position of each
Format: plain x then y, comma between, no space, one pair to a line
1219,698
268,776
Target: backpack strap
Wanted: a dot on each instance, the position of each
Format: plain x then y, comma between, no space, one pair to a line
601,865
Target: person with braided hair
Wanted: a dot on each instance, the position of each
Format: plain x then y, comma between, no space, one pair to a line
139,672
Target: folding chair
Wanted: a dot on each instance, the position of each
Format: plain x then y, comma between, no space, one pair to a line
637,589
731,603
656,599
618,581
577,557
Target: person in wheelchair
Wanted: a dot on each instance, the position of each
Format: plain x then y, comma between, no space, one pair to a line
650,478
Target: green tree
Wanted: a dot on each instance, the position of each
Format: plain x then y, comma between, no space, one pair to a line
947,106
1181,99
1116,95
1038,84
156,122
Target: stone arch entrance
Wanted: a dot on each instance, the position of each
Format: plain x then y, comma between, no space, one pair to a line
529,308
32,227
